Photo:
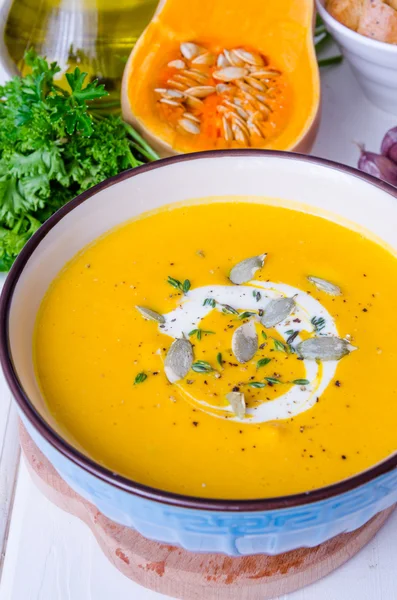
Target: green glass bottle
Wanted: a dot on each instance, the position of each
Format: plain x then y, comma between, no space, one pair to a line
95,35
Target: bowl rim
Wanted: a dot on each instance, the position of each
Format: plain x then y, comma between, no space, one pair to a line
101,472
354,35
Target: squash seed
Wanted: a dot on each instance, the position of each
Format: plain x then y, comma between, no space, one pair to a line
172,94
239,134
249,57
197,76
277,311
189,115
325,286
179,360
193,102
246,269
221,88
190,50
254,129
233,59
324,348
177,64
201,91
265,74
189,126
230,73
222,61
237,402
204,59
184,79
245,342
177,84
258,85
170,102
227,131
150,315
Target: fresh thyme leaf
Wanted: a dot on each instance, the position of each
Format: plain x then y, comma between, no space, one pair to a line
289,332
246,314
257,384
209,302
200,332
292,337
264,335
263,362
301,381
279,345
219,359
272,380
318,323
257,295
182,287
201,366
140,378
229,310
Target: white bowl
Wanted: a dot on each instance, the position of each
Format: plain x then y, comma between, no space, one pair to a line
374,63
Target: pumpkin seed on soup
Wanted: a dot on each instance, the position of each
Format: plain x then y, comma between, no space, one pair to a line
245,270
179,360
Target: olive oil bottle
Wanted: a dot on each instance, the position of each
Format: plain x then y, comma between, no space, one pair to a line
95,35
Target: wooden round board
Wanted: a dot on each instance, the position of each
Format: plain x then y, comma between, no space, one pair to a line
188,576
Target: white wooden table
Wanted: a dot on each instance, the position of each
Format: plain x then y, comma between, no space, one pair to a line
49,555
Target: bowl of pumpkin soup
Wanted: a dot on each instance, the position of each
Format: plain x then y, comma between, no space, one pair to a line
204,348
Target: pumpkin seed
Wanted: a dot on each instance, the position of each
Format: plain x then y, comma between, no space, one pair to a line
222,61
193,102
249,57
204,59
237,119
150,314
233,58
254,129
230,73
197,76
245,342
177,84
277,310
264,74
237,402
221,88
239,134
172,94
227,131
170,102
246,269
258,85
325,286
324,348
189,115
190,50
201,91
189,126
179,360
184,79
177,64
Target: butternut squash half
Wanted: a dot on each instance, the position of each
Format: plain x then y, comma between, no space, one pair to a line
215,74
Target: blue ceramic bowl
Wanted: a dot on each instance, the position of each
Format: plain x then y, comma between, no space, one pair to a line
272,525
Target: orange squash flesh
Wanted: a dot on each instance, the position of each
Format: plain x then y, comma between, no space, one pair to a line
280,30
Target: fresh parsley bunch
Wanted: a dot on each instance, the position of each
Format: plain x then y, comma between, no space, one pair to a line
53,146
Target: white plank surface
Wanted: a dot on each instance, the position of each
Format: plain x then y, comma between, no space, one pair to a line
52,556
